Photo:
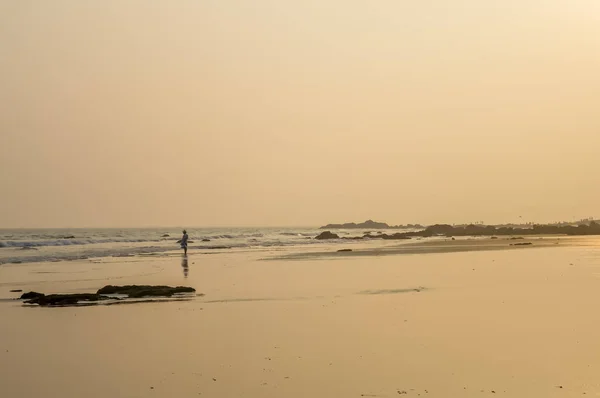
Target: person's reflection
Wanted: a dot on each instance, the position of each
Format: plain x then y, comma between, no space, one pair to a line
184,265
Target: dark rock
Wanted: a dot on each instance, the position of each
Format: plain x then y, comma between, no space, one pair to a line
440,229
31,295
380,235
327,235
521,244
55,300
344,250
593,228
16,291
482,230
134,291
137,291
165,236
205,240
494,237
68,237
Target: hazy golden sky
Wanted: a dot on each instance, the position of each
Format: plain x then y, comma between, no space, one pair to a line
231,112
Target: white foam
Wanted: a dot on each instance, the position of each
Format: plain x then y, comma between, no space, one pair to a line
60,245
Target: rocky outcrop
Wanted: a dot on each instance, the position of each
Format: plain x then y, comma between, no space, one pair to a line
450,231
56,300
326,235
439,229
131,291
30,295
593,228
489,230
138,291
329,235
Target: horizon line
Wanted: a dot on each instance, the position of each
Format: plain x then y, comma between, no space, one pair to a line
296,226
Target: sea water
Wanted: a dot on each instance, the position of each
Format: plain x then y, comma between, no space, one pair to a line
36,245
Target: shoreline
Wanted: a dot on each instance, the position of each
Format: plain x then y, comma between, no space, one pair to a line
442,245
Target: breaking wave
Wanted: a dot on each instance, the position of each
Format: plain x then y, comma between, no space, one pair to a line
25,246
69,242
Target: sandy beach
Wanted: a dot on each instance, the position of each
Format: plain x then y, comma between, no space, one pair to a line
463,323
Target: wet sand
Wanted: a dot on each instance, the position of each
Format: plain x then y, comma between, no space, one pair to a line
438,245
456,323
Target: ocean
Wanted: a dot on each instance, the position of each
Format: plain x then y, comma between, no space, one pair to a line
37,245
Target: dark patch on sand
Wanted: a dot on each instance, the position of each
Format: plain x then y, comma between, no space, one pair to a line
393,291
239,300
251,299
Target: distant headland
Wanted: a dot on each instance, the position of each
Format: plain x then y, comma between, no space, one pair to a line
369,224
590,227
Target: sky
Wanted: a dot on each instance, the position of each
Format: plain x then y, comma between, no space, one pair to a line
130,113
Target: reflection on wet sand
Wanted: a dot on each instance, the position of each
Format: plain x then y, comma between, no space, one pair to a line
184,265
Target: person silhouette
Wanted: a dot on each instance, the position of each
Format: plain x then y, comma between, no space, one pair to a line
184,265
184,241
